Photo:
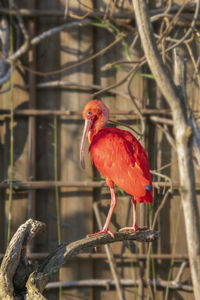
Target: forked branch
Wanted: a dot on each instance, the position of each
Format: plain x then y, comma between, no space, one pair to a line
15,273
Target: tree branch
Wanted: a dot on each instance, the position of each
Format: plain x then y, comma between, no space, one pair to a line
38,280
183,136
15,277
14,266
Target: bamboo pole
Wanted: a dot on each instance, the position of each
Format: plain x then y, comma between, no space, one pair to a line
52,112
123,282
32,128
40,13
26,185
131,257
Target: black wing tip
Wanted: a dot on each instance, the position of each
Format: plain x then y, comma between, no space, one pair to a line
148,187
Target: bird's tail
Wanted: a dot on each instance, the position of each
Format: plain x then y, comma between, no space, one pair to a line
147,198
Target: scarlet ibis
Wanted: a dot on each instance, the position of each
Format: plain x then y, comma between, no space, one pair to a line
119,157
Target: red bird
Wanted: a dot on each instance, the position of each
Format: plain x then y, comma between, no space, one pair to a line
119,157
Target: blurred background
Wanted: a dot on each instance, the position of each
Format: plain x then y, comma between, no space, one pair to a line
62,54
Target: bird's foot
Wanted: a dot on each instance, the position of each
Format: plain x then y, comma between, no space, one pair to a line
104,230
133,228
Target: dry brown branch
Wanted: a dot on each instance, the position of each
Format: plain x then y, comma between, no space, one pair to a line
38,280
14,271
5,69
69,84
48,33
194,62
161,120
131,74
36,40
173,21
189,31
182,132
160,207
66,8
6,63
133,99
169,138
14,267
181,271
24,48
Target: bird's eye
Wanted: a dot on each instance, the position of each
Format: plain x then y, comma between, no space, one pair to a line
89,113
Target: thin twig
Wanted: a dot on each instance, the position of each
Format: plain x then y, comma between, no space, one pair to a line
101,52
169,138
181,271
160,208
194,62
14,56
133,98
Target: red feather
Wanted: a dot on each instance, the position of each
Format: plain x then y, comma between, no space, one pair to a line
120,157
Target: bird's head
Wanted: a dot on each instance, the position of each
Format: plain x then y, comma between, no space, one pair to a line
96,116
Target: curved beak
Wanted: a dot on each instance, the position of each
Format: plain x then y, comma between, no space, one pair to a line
88,125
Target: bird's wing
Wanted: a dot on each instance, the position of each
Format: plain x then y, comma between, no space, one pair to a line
116,156
139,153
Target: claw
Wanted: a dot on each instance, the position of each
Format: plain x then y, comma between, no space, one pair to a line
134,228
102,232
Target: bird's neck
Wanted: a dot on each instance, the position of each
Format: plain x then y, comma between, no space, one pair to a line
94,130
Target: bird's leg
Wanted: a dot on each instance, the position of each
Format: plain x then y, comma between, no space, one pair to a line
134,227
112,207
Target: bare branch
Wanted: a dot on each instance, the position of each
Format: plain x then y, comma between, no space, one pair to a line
181,271
14,254
24,48
4,36
5,69
168,136
182,132
38,280
58,29
15,270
